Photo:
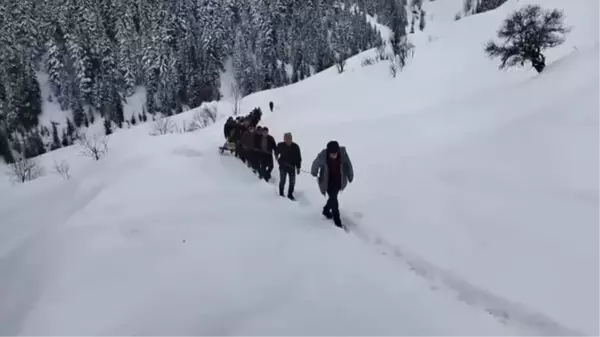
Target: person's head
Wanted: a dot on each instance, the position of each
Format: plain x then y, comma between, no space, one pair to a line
251,128
259,129
333,149
266,131
287,138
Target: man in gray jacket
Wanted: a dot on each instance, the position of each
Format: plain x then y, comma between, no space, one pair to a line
334,171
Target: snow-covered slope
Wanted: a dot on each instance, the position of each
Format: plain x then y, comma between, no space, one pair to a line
490,175
164,236
474,209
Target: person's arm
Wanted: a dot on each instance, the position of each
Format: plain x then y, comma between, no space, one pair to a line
350,172
316,164
277,151
299,163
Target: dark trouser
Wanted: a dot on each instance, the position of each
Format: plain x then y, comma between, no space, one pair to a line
266,166
332,206
236,150
241,152
285,171
255,159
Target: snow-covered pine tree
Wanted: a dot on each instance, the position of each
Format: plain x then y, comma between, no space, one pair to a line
55,138
107,126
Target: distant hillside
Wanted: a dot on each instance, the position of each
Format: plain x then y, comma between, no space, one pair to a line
93,55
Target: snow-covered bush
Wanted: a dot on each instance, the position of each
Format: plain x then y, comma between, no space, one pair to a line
25,169
367,61
393,66
63,169
94,147
162,126
380,50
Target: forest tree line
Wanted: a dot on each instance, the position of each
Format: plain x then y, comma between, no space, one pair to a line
96,52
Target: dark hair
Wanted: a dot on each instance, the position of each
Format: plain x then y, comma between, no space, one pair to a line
333,147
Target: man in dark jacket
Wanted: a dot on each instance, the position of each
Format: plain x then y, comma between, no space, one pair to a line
334,170
242,127
271,105
255,116
228,128
247,142
266,145
290,160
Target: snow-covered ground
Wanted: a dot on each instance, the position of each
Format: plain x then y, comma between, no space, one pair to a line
474,209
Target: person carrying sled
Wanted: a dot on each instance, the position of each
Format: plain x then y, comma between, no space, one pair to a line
267,145
242,129
236,136
290,160
334,170
255,116
247,143
228,128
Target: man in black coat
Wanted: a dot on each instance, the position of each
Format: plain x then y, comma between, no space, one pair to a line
266,146
290,160
228,128
255,116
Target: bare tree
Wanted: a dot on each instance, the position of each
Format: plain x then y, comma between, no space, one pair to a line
526,33
63,169
25,169
210,113
94,147
404,50
237,97
202,118
393,66
340,63
380,50
162,126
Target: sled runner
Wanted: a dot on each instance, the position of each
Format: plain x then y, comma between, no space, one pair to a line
228,146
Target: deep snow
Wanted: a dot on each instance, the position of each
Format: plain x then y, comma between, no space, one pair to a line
474,208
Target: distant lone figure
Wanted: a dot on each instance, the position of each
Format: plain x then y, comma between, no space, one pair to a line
271,105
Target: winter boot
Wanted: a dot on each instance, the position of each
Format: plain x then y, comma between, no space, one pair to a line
291,197
327,213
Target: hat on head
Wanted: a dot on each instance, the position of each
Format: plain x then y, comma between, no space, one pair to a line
333,147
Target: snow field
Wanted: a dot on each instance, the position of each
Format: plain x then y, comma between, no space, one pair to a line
481,187
179,240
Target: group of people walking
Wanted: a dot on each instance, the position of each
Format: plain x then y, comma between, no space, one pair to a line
254,145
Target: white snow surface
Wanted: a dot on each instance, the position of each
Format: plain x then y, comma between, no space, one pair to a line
474,209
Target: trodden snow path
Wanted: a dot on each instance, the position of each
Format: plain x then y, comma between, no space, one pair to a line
518,316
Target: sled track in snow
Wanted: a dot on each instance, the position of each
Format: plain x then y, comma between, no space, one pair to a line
509,313
506,312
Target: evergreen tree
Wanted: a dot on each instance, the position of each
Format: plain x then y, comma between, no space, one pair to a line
70,131
65,139
91,117
107,126
119,114
5,151
95,51
55,139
